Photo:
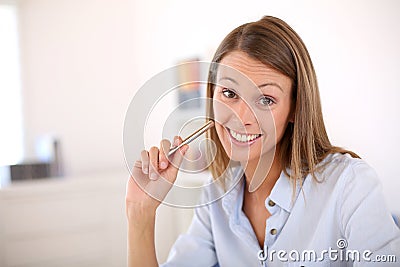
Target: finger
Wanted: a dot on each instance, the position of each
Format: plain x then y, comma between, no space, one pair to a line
153,159
178,156
165,146
137,164
145,161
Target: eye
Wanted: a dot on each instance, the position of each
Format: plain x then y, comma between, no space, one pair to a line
266,101
229,93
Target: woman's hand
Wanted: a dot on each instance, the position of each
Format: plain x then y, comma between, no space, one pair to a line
152,178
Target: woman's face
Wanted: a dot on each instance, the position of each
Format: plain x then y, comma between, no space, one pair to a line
252,107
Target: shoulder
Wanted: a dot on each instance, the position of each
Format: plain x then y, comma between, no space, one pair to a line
228,186
348,170
341,176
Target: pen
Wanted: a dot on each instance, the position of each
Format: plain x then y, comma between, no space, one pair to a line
192,137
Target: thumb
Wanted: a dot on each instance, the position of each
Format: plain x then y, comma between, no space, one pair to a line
178,156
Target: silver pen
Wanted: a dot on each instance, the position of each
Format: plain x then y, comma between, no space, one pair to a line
192,137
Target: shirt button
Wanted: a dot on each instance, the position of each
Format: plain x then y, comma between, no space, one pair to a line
273,231
271,203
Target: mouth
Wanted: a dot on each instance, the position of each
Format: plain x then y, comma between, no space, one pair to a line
241,138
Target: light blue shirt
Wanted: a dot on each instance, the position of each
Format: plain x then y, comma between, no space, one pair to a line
344,212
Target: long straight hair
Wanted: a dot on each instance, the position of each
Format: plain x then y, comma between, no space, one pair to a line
274,43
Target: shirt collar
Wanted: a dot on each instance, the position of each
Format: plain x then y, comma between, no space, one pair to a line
281,193
233,199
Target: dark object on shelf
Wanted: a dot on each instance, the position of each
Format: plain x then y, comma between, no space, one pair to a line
48,164
30,171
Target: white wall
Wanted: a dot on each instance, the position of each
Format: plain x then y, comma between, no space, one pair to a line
79,74
84,59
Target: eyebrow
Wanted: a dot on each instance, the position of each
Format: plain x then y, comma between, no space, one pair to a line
259,86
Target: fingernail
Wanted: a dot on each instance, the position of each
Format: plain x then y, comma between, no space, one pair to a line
176,141
153,176
163,165
145,171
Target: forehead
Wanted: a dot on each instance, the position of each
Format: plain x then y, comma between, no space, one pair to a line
242,67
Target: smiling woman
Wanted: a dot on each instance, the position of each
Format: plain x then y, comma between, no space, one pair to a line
271,54
263,112
296,191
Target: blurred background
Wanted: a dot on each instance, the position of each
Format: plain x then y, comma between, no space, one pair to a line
69,69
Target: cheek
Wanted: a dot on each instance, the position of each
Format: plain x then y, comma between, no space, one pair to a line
266,121
222,111
224,139
281,119
220,132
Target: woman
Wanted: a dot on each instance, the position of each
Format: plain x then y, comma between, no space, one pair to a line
301,201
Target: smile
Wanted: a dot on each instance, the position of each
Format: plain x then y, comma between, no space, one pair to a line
243,138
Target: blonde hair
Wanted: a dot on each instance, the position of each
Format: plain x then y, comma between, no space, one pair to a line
273,42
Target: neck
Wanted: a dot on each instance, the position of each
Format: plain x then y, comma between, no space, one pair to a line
261,175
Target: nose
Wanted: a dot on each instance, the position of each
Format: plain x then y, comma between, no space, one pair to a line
244,112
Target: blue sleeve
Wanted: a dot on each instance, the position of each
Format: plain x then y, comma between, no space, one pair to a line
196,247
367,223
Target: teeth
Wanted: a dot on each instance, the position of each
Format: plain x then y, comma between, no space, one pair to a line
243,137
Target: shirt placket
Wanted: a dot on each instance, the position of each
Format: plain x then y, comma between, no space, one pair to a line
273,226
